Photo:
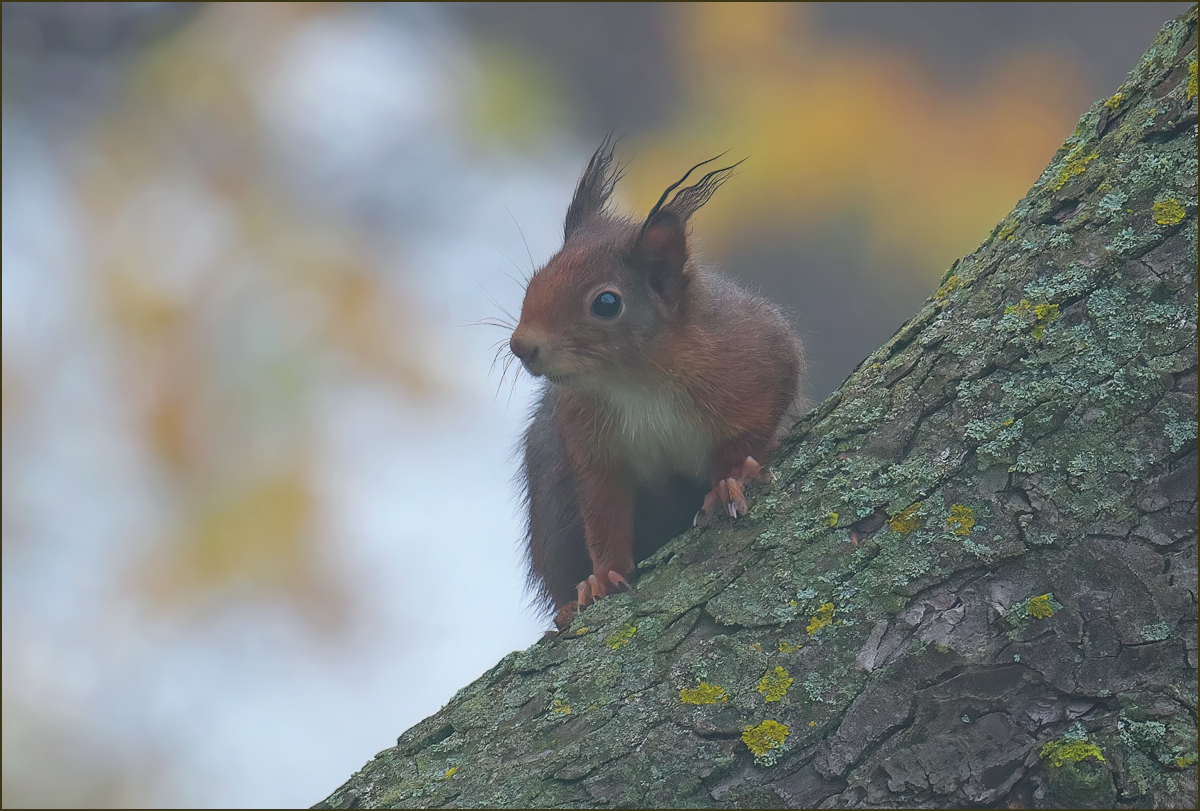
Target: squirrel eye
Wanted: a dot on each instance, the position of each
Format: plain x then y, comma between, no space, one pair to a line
607,305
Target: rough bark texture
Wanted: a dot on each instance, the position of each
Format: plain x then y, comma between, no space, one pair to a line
974,582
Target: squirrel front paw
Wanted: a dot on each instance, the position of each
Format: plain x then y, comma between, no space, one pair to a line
589,591
730,492
596,587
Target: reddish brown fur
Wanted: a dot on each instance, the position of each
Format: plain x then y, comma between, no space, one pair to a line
646,410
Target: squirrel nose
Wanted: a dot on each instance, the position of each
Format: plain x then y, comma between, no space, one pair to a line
523,348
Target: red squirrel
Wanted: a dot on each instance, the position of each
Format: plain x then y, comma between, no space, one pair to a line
668,388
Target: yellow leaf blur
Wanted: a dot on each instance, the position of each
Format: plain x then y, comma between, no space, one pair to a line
845,131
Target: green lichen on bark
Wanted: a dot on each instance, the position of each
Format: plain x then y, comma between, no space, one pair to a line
1030,433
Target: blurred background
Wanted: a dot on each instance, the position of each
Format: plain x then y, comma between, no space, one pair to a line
257,501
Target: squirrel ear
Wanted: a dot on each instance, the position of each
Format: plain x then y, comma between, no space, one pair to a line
661,248
661,253
594,189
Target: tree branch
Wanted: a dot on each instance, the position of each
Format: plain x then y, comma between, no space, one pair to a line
975,579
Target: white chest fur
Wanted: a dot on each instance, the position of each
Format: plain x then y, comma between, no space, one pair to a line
659,432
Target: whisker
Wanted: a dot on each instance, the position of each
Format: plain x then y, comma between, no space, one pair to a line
499,346
512,390
522,233
489,322
495,303
500,382
504,374
524,280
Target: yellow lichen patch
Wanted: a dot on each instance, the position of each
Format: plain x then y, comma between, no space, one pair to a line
833,519
774,684
1040,607
1020,308
961,519
1191,86
1007,231
704,693
950,285
1186,760
1045,314
560,707
582,631
788,647
907,520
1114,102
1060,752
621,638
450,772
1168,212
763,738
1076,164
819,620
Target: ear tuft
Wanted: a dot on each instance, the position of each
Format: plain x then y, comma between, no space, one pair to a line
595,187
687,201
661,249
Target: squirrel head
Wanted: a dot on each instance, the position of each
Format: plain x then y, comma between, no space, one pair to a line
592,313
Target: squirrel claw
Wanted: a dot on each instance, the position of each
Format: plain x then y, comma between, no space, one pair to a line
706,514
590,591
597,588
731,493
752,470
734,497
619,582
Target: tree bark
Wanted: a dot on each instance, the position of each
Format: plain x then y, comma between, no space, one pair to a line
974,581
